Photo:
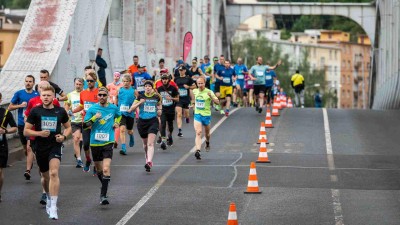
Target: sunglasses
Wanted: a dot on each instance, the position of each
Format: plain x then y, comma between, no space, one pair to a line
164,78
102,95
194,62
90,81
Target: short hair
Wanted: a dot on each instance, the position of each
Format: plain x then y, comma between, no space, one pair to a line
45,72
127,77
222,56
99,49
297,71
161,60
93,75
88,67
135,56
1,95
48,88
30,76
202,78
227,60
78,79
103,89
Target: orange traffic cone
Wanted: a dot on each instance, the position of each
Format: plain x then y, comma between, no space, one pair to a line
290,103
252,185
263,154
232,216
268,120
278,102
263,133
283,101
275,110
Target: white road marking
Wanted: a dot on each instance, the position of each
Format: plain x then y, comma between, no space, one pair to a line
162,179
235,169
337,206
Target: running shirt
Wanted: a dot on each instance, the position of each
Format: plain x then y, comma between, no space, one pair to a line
297,79
269,78
73,101
148,109
113,90
88,98
57,89
139,79
226,74
258,72
203,101
184,96
168,106
48,119
102,131
159,83
5,120
218,67
194,74
20,97
204,66
248,84
126,97
240,70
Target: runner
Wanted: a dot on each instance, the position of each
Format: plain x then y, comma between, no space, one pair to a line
76,119
45,76
139,79
210,74
113,91
20,101
102,118
226,76
195,71
258,72
88,98
126,95
170,96
217,83
240,70
202,117
47,120
150,107
89,69
156,75
184,84
248,91
270,77
6,119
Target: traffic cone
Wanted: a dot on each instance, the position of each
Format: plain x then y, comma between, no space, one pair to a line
290,104
278,102
275,110
252,185
268,120
263,133
263,154
283,101
232,216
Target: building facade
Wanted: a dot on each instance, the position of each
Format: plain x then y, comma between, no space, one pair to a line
10,25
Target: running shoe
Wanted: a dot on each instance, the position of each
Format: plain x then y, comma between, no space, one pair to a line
104,200
115,144
180,134
48,207
217,108
87,166
260,110
122,152
226,112
43,199
94,171
148,166
159,140
170,142
131,140
197,155
53,213
163,146
222,112
187,120
235,104
207,146
27,174
79,164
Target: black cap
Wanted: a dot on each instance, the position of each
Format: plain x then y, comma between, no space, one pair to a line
182,68
164,75
141,66
206,57
148,82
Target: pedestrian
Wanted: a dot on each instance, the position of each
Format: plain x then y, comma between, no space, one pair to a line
48,120
297,82
317,99
102,118
101,63
6,119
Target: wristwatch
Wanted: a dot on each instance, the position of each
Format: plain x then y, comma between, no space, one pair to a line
65,137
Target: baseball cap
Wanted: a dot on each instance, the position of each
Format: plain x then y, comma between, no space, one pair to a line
164,75
180,61
215,58
182,68
165,70
141,66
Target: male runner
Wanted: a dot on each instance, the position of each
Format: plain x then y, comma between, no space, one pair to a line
226,76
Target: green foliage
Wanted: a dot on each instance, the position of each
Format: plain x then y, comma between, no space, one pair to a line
15,4
249,49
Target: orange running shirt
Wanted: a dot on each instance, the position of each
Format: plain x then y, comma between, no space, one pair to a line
89,98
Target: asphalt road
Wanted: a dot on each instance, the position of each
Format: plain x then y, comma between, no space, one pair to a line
357,184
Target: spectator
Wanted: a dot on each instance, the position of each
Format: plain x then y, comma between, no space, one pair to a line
297,82
101,63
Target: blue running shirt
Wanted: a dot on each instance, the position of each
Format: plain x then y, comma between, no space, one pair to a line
126,97
148,109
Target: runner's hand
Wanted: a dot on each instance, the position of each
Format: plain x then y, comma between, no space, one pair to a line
98,115
59,138
44,133
186,86
168,97
2,130
23,104
116,125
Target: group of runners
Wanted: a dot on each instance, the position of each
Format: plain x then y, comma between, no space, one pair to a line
99,116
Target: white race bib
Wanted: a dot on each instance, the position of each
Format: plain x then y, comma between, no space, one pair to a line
149,108
102,136
140,88
260,73
183,92
166,102
268,77
49,123
75,105
124,108
240,77
226,80
86,106
200,104
249,82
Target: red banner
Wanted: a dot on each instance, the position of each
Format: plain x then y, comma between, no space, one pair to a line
187,44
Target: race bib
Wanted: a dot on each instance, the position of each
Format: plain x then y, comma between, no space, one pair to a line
101,136
149,108
87,105
260,73
240,77
268,77
249,82
183,92
166,102
124,108
49,123
200,104
140,88
75,105
226,80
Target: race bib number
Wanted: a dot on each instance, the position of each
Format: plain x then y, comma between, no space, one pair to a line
87,105
195,77
183,92
260,73
200,104
149,108
140,88
249,82
166,102
226,80
49,123
75,105
268,77
102,136
240,77
124,108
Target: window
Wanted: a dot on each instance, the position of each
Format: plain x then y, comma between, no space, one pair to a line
330,36
343,79
330,54
322,61
330,70
335,71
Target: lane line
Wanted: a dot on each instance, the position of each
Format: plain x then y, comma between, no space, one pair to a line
164,177
235,170
337,206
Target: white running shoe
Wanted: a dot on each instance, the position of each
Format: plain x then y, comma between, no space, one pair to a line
53,213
